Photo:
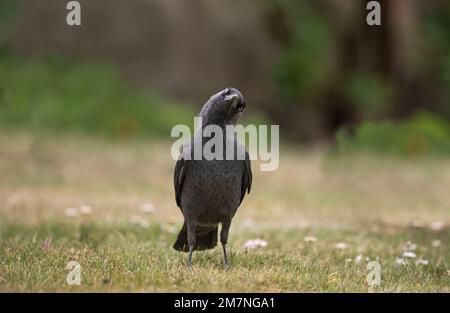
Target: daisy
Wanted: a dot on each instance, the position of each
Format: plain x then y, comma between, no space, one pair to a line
341,246
71,212
409,254
255,243
147,208
85,210
310,239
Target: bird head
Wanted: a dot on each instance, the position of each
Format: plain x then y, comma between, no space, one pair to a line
224,108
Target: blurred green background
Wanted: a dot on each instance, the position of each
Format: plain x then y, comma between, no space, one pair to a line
136,68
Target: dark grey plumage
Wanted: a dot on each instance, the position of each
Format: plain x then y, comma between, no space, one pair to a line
209,192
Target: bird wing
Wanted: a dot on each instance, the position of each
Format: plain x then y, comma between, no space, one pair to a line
247,177
178,179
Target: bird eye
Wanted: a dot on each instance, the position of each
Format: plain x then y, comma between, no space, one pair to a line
240,106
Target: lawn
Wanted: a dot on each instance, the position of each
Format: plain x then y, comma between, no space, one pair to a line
73,198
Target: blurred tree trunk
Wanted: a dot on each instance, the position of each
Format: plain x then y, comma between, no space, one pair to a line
404,42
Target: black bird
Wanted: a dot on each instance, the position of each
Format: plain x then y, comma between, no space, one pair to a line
209,192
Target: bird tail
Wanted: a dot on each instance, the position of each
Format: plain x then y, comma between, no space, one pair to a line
206,238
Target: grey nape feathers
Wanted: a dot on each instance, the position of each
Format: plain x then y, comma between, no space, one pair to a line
209,192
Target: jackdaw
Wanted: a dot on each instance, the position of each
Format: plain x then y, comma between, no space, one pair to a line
209,192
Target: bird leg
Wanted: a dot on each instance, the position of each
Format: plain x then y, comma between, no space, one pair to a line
225,256
191,241
191,248
224,239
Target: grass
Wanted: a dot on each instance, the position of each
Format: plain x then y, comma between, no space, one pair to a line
367,202
125,258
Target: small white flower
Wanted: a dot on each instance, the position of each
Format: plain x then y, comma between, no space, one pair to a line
85,210
71,212
421,262
409,254
137,220
341,246
255,243
358,258
436,243
400,261
310,239
169,228
144,223
409,246
437,225
367,259
147,208
248,223
417,224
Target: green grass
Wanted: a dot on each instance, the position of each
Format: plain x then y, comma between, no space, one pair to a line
367,202
126,257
